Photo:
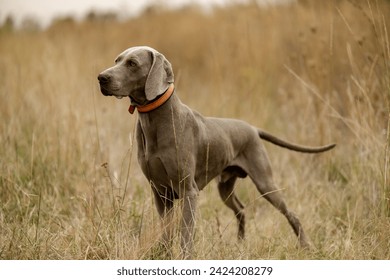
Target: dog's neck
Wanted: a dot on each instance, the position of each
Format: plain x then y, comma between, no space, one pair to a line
159,101
160,125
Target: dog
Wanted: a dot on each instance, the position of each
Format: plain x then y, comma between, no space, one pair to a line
180,151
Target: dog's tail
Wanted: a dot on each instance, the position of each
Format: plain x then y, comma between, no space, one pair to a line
298,148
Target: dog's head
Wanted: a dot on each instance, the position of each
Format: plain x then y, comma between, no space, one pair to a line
141,73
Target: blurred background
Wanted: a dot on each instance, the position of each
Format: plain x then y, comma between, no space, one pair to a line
44,11
312,72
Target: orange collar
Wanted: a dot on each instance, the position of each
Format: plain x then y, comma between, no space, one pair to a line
155,104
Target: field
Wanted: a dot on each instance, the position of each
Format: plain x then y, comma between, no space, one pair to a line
312,72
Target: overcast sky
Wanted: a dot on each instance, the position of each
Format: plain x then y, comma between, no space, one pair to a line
45,10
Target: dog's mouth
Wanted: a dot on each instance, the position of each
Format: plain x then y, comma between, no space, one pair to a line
105,90
114,91
110,92
116,96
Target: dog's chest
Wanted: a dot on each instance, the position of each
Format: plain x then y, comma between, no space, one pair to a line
157,150
156,138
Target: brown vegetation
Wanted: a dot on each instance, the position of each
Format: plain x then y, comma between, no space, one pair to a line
312,72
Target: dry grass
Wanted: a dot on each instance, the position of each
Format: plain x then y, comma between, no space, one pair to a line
312,72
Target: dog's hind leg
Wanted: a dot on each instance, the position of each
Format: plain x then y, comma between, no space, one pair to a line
261,174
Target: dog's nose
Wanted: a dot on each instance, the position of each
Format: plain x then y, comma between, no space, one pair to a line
103,78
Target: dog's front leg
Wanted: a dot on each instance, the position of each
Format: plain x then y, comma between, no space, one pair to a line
164,205
188,221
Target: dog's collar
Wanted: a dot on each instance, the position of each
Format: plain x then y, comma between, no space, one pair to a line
155,104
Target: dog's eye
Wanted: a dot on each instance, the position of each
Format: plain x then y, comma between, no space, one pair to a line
131,63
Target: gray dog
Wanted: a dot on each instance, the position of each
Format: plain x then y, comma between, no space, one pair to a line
180,151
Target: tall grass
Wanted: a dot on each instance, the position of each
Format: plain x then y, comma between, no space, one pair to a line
312,72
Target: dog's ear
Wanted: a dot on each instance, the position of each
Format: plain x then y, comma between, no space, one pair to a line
160,76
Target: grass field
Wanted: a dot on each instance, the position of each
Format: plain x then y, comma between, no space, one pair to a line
313,72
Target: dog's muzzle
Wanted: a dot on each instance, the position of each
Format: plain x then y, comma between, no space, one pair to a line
104,81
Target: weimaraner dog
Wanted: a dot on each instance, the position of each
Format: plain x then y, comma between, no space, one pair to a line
180,151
